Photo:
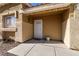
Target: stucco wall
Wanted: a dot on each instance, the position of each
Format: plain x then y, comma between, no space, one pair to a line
71,27
66,28
52,26
27,29
18,33
74,31
0,27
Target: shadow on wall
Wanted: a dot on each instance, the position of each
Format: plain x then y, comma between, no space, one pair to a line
8,36
66,28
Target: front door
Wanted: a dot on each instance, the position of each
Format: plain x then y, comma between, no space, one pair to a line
38,30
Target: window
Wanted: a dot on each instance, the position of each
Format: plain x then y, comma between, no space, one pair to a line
10,21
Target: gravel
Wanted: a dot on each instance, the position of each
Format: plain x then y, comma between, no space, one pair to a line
5,46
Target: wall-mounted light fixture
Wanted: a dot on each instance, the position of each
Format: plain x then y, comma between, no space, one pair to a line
16,14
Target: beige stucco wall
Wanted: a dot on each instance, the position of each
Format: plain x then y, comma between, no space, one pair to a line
27,29
74,28
71,28
52,26
0,27
18,33
66,28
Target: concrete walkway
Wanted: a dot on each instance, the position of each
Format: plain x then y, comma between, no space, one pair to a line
43,49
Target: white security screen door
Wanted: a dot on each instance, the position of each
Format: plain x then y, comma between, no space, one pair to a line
38,33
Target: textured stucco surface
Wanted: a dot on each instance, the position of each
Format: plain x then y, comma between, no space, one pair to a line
66,29
52,26
71,39
27,29
74,29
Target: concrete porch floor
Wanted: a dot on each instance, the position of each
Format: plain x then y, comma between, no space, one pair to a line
55,48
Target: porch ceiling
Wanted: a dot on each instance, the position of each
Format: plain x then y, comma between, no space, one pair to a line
46,9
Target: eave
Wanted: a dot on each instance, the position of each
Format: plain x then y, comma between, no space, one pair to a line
46,8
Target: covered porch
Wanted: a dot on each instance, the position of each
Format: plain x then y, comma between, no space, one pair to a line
55,23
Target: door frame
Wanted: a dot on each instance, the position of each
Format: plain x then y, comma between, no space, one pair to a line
41,28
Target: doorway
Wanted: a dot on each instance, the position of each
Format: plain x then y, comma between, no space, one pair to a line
38,29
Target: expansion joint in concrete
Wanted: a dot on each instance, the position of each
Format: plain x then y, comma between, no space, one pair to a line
29,50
